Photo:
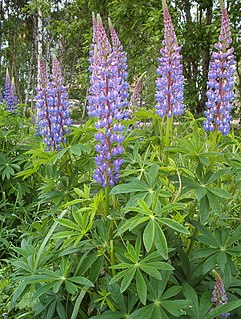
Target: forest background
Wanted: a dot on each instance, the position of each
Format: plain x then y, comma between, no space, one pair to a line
65,27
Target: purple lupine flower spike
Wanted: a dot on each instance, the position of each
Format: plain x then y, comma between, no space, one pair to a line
43,122
219,296
107,101
221,81
170,84
59,113
53,106
10,94
120,58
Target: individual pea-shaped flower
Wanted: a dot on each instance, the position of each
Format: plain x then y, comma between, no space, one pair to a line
220,81
170,83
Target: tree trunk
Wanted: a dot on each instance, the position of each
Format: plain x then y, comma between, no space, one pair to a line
39,37
206,62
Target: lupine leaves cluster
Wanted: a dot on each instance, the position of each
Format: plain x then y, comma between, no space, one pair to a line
115,221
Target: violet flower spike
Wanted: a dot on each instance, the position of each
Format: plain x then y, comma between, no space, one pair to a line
10,94
170,84
53,106
219,296
107,101
220,81
59,113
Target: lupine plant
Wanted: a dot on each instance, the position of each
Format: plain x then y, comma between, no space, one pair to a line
221,80
107,101
10,94
170,84
52,106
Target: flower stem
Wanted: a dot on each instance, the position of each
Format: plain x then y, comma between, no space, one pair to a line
214,138
107,200
167,137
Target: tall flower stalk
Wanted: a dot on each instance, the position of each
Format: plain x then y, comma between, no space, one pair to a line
219,296
107,98
220,81
170,83
10,94
52,106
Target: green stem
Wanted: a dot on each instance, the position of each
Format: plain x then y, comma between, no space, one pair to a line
213,141
167,137
107,200
192,241
112,257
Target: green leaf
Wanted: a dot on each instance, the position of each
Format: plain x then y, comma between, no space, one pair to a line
209,263
190,294
171,206
175,307
70,287
77,304
132,187
222,193
200,192
43,289
17,293
171,292
236,235
152,174
151,271
221,260
174,225
204,209
141,286
161,242
143,313
231,305
68,223
81,280
149,235
127,279
78,149
213,202
109,315
118,276
61,310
